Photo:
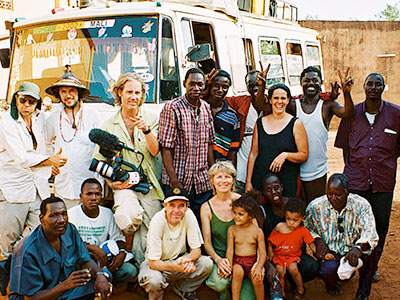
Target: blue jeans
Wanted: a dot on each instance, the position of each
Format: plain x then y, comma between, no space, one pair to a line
328,273
196,200
125,273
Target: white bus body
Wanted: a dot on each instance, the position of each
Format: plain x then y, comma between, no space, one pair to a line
152,38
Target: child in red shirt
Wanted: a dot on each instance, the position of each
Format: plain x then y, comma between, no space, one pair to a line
285,242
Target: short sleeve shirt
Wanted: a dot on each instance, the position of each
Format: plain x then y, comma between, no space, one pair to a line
289,244
168,242
188,131
372,149
37,266
358,223
151,165
227,132
95,230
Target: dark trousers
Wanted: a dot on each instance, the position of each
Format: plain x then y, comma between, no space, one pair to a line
196,200
87,297
381,204
313,189
328,273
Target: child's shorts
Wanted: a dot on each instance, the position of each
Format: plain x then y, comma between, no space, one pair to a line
285,261
245,261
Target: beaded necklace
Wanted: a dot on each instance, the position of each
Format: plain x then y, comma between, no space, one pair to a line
76,128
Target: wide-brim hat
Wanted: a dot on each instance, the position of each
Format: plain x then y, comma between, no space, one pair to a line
68,79
176,193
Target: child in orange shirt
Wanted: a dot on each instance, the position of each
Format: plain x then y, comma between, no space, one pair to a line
246,249
285,242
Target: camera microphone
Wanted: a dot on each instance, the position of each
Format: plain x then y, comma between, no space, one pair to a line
108,141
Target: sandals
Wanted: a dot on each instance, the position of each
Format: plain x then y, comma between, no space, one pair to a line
335,290
376,278
297,295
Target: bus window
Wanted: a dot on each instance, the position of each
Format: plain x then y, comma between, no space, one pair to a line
294,62
99,50
270,51
169,77
312,56
244,5
197,33
248,47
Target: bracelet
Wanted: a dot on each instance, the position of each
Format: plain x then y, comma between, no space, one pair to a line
146,132
123,250
105,274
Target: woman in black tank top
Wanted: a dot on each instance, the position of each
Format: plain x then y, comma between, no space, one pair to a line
279,145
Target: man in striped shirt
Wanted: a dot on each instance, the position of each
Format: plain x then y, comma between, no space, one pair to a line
226,122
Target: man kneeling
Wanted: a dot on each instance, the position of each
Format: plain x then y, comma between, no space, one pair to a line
53,262
96,225
171,229
343,226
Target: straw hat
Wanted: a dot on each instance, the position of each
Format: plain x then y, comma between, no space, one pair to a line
68,79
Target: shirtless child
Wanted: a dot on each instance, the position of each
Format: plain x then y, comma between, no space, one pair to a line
246,250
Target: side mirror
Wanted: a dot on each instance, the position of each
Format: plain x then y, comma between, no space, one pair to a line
199,52
5,57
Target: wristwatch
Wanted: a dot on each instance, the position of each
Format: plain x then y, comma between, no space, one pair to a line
358,247
106,275
147,131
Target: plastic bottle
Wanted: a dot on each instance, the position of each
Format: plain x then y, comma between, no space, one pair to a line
276,290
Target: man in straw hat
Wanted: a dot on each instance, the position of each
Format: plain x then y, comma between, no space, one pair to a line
68,128
24,170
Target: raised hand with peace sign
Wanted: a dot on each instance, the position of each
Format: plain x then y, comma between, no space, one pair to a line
346,82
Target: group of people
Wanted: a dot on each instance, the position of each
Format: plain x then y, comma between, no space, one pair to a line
203,147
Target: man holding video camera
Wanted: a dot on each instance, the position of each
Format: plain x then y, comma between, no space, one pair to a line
136,128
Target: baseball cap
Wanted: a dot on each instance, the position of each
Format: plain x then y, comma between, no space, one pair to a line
29,89
176,193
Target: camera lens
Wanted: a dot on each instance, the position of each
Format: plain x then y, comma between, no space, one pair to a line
102,168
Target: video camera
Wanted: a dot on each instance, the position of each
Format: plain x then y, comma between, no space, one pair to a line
111,147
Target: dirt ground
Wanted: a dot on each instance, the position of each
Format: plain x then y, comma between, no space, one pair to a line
389,266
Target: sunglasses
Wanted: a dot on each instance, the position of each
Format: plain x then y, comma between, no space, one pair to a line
340,226
23,99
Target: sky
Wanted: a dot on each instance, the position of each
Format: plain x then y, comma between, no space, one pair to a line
360,10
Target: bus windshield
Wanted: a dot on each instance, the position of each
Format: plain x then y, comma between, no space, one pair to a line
98,50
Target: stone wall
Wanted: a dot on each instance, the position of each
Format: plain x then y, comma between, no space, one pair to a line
365,46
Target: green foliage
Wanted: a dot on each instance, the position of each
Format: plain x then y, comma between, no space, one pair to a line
390,13
311,18
270,48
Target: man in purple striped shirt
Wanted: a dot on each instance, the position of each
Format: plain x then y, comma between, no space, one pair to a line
186,135
371,145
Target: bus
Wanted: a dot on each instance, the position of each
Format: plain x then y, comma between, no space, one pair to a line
160,40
